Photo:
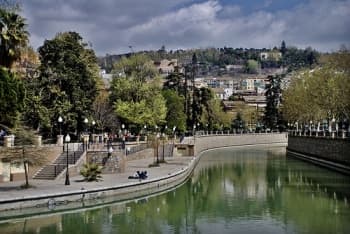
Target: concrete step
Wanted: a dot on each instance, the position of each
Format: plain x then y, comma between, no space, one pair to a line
51,171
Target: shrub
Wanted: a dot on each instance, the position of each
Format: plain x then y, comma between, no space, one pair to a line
91,172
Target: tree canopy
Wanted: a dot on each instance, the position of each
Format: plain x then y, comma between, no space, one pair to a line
175,110
320,93
68,80
136,92
12,96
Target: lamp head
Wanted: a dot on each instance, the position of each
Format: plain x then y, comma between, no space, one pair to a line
67,138
110,150
60,120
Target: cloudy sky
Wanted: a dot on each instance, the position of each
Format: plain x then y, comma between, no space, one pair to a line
111,26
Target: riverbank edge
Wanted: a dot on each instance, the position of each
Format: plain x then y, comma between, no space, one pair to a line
133,190
101,194
319,161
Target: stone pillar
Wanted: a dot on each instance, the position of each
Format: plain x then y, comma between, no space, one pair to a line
138,140
8,140
59,140
95,138
343,134
86,141
38,141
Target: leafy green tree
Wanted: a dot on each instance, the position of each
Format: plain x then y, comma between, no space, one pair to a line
68,80
13,36
12,96
103,112
174,81
214,116
252,66
296,59
175,110
238,123
136,92
320,93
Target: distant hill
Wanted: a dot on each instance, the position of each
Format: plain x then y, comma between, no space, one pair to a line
290,57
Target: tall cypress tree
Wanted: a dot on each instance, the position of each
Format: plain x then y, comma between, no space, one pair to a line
273,118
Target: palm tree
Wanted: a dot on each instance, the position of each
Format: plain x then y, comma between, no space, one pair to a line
13,36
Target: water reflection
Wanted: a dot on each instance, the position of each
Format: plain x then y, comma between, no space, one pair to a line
254,190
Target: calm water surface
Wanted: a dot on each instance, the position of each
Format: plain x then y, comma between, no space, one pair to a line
241,190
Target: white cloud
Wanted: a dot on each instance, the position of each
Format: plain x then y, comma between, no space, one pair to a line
113,25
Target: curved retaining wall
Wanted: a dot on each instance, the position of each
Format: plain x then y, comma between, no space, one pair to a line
211,142
333,153
84,198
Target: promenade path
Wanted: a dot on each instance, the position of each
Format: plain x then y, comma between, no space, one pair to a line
10,191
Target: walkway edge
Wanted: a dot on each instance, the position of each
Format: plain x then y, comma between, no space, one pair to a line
125,191
321,162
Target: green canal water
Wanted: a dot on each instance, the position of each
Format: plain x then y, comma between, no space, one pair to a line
237,190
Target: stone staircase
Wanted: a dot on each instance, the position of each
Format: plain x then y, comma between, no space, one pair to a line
51,171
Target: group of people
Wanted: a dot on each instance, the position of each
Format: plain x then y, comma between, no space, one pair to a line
139,175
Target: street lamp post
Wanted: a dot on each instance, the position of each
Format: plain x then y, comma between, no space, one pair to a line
123,137
310,128
145,133
67,140
86,121
110,151
93,126
93,130
333,132
164,134
174,137
60,120
157,144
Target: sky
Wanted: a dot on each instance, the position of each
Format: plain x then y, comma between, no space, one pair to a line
119,26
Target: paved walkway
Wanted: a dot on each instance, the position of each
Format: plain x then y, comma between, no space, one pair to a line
12,191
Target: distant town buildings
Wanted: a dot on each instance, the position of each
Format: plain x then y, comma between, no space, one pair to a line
165,66
271,55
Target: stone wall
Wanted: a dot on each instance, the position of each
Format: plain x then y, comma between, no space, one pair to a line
211,142
335,150
51,153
